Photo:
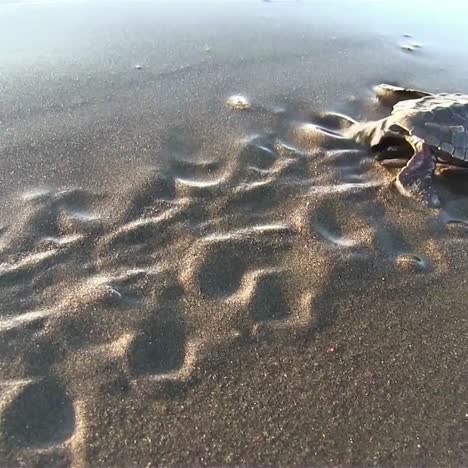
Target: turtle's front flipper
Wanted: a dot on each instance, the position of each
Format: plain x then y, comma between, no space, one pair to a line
389,95
415,179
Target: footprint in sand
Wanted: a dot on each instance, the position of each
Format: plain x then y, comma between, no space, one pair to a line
159,348
39,415
268,301
216,265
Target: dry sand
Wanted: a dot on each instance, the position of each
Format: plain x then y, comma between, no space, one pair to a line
191,279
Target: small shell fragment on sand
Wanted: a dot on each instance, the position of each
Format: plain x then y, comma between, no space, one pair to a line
238,102
412,263
411,47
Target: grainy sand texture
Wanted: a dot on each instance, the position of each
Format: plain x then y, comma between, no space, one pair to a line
197,267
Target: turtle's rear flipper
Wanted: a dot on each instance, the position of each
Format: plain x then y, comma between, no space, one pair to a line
389,95
415,179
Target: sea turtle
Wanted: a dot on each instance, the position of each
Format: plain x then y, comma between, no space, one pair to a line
423,130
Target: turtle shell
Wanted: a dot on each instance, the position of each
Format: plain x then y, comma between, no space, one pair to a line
441,120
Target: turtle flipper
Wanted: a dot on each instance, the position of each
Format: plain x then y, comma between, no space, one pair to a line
389,95
415,179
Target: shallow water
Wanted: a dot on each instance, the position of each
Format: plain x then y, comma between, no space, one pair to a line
188,277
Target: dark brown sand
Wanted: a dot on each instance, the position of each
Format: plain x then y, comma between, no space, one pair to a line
187,279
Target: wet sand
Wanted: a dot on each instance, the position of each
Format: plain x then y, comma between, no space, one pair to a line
191,279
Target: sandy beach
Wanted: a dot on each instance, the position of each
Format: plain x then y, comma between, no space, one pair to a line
197,267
